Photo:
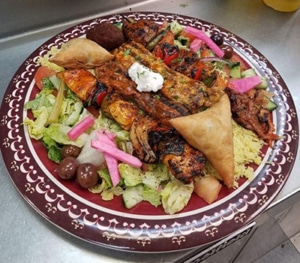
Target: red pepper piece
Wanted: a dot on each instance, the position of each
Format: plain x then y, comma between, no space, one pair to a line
166,52
100,97
196,72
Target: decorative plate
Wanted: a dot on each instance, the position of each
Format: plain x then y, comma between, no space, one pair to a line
143,228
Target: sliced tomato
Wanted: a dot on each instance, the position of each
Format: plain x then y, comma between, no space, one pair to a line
100,97
187,35
169,58
157,51
42,72
206,53
168,53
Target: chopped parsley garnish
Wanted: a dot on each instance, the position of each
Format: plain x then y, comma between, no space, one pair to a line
126,52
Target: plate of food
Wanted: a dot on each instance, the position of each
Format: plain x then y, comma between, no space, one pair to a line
148,132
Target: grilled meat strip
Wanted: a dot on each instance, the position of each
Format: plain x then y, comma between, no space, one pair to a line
82,82
122,111
141,31
115,77
185,165
153,141
177,88
186,63
140,137
247,110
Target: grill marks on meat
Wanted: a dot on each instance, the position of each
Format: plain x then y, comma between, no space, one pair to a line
151,136
141,31
247,110
141,140
186,62
153,141
177,88
182,165
115,77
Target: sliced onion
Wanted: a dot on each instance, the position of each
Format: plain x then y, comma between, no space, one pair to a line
213,59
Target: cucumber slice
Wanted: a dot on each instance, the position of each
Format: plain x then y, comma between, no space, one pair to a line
157,38
176,28
248,73
251,72
263,84
271,105
184,41
235,71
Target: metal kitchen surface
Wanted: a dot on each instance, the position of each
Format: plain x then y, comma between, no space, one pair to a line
20,17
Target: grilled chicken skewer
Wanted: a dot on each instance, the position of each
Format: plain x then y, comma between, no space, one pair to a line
177,88
114,76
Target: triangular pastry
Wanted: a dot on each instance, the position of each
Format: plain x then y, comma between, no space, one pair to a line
81,53
210,132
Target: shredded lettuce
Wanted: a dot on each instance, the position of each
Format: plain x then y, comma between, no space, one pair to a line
54,149
54,135
42,100
151,195
133,195
37,127
70,112
175,196
143,185
130,175
58,132
105,188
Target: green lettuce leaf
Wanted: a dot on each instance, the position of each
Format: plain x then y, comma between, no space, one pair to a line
37,127
59,133
54,150
151,195
175,196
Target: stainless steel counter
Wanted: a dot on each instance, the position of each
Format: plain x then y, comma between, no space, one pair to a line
27,237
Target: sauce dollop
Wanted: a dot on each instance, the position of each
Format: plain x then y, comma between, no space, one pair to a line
145,78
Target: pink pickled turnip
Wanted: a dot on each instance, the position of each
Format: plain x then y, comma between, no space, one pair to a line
202,35
111,162
244,84
116,153
81,127
196,44
105,143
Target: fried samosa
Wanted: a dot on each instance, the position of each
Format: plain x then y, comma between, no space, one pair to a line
81,53
210,132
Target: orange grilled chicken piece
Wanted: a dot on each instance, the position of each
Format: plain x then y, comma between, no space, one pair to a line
82,82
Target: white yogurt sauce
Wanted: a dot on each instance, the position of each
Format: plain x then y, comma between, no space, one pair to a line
145,78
